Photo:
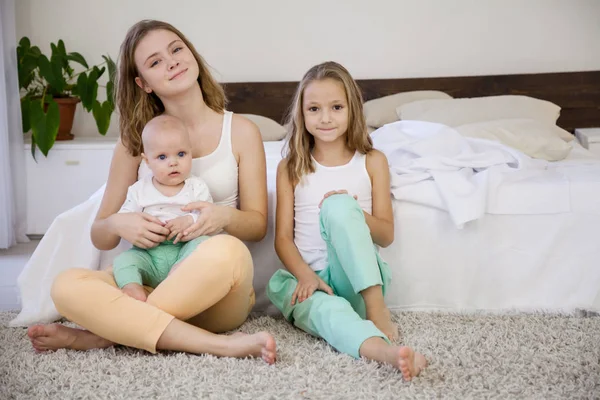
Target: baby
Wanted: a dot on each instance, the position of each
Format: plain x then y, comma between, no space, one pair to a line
168,154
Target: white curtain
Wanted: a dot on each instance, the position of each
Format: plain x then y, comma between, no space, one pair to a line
12,163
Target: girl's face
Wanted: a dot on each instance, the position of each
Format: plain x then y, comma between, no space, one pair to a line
325,110
166,65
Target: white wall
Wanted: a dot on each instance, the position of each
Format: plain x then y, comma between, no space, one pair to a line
277,40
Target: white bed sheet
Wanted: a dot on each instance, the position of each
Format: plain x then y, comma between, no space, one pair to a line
498,262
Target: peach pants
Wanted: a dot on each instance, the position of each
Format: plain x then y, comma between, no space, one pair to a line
211,289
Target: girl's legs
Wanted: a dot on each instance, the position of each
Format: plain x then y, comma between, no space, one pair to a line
219,268
329,317
333,319
359,278
356,271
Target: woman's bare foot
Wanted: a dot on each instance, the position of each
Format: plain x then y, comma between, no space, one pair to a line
382,318
57,336
260,344
403,358
135,290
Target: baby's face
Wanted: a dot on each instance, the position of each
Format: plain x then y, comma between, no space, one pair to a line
169,155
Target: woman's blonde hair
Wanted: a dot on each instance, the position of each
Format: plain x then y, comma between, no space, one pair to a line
301,142
136,107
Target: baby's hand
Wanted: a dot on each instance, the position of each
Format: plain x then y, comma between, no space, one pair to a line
177,226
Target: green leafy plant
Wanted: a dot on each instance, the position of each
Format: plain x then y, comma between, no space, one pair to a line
44,79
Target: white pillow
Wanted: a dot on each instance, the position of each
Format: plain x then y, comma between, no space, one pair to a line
455,112
270,130
534,138
381,111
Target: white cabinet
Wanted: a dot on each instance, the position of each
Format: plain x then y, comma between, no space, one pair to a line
72,172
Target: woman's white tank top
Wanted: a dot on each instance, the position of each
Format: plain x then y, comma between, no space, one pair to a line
352,177
219,169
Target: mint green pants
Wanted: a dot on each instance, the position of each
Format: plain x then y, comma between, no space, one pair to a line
353,265
151,266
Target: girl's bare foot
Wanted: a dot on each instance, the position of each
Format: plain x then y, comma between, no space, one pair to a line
403,358
260,344
135,290
382,318
57,336
408,361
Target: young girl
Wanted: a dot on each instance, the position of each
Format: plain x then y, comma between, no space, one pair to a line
333,204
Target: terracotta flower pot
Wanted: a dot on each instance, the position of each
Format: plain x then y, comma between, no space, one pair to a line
66,108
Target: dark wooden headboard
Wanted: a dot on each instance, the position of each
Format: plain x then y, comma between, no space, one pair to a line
577,93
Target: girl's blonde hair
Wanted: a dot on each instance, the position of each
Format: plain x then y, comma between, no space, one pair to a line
136,107
301,142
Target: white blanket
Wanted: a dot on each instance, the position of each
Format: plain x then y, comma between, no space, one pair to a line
432,164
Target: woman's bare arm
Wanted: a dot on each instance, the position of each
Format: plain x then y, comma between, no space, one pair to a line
122,174
250,221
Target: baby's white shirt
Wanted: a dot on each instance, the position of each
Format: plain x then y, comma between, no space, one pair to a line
143,196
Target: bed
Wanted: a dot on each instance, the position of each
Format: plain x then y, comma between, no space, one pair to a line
546,260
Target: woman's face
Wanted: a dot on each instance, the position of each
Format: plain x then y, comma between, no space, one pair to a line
166,65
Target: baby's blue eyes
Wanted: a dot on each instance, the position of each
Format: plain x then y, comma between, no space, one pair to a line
164,157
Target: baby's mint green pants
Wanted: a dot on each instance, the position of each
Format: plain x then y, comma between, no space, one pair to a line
151,266
353,265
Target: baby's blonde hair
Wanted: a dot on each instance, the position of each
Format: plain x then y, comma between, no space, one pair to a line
301,142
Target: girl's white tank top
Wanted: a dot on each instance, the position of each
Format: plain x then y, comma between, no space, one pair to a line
352,177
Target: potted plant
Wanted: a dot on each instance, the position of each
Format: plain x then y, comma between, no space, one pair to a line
52,89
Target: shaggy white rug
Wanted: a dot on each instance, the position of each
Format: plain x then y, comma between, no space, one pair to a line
541,356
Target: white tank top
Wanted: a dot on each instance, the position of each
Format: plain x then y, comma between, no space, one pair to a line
219,169
352,177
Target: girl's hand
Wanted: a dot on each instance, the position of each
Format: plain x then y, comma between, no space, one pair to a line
139,229
212,219
331,193
177,225
307,286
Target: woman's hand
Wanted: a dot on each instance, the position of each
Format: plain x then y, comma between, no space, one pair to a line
139,229
306,287
176,226
331,193
212,219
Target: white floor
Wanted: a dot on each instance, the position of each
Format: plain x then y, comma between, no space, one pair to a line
12,262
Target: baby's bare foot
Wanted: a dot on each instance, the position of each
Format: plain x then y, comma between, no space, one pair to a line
260,344
56,336
382,318
135,290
